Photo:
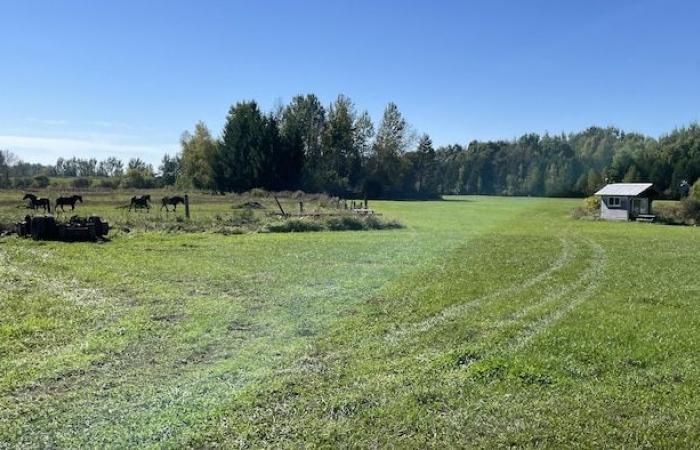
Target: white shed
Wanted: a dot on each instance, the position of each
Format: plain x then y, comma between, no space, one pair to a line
626,201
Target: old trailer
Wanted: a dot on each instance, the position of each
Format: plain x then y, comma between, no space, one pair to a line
47,228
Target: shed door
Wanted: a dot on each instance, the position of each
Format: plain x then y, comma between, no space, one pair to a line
637,207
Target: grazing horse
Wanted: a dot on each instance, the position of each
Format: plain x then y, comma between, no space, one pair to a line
62,201
141,201
38,202
171,201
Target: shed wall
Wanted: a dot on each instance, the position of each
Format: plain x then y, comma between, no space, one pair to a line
614,213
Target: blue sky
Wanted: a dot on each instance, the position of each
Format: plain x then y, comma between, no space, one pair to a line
126,78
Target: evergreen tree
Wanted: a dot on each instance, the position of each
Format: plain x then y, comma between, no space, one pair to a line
341,156
169,169
390,144
243,152
305,117
425,167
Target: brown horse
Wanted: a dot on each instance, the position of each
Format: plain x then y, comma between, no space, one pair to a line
37,203
62,201
141,201
174,201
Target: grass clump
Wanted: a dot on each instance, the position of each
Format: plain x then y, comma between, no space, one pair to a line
295,226
345,223
333,223
374,223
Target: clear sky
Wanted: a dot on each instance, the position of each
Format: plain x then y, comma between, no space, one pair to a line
126,78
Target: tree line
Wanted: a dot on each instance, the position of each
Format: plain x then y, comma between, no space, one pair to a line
576,164
307,146
337,149
113,172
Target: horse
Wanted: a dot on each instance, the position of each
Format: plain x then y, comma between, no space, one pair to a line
141,201
62,201
171,201
38,202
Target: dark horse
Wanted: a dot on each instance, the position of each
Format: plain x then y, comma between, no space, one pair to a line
38,202
171,201
62,201
141,201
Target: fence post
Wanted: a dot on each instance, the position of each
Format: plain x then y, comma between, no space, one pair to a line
366,203
187,206
301,208
284,214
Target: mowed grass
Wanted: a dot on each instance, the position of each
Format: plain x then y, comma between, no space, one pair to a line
485,322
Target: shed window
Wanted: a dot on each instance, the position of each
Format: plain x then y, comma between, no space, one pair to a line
614,202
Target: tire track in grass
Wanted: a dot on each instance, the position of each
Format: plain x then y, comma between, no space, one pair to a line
589,279
451,312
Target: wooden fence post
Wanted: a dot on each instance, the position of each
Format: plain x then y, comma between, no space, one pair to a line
187,206
284,214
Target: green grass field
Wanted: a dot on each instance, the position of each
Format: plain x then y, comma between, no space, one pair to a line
484,322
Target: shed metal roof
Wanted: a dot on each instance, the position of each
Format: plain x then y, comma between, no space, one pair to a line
624,189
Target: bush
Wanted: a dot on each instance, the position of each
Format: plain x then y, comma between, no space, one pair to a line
41,182
138,181
339,223
589,210
685,212
592,203
109,183
694,193
343,223
374,223
295,226
672,214
81,183
22,182
691,204
691,210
